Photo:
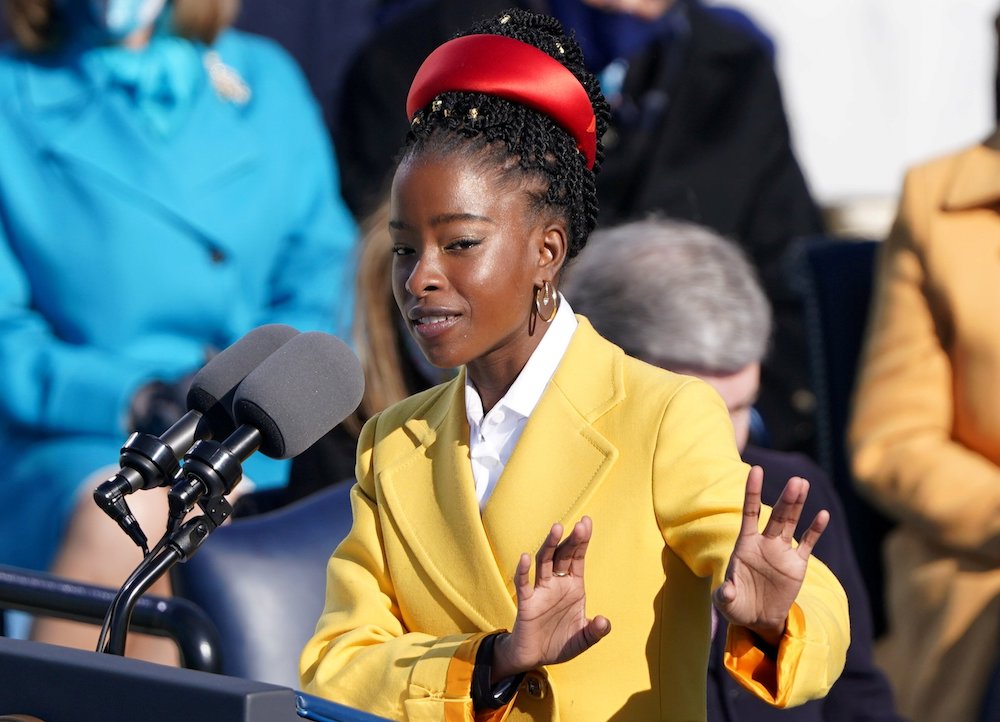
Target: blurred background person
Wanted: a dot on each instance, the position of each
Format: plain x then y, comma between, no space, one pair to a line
881,102
321,35
871,87
165,186
925,432
682,297
698,131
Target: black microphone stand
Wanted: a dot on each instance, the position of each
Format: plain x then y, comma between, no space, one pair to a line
211,470
145,462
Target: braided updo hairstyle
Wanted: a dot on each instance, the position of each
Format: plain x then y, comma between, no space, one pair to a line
524,145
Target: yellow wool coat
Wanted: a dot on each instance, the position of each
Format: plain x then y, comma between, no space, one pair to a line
925,432
650,456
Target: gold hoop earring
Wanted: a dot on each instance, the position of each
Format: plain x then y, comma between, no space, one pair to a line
548,297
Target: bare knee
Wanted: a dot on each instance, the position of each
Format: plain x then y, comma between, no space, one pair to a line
96,550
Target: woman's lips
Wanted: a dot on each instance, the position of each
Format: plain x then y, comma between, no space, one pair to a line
433,325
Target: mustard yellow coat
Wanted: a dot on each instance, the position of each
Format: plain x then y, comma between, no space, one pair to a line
925,433
649,455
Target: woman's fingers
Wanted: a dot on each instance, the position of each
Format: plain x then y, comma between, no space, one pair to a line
561,559
794,511
751,501
569,557
813,533
546,553
583,531
785,515
724,594
597,629
522,578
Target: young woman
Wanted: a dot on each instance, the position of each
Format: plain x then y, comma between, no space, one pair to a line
547,422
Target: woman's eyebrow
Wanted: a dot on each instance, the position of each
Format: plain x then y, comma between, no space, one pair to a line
442,219
451,217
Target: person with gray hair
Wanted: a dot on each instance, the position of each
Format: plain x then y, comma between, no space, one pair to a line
674,271
680,296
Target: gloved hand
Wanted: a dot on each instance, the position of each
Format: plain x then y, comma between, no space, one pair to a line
158,404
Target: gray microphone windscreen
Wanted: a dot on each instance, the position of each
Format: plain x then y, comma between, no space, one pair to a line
299,393
213,387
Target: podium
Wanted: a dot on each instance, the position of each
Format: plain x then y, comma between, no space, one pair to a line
58,684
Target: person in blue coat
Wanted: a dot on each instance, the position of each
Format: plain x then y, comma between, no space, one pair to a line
166,185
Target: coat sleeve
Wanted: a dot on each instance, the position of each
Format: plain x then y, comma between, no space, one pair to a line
50,385
362,655
699,490
903,452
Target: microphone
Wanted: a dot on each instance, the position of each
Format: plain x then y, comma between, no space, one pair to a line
298,394
149,461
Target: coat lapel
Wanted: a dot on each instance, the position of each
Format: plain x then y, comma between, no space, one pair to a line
443,523
557,465
975,182
184,176
560,459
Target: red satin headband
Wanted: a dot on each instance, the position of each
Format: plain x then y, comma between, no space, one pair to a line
508,68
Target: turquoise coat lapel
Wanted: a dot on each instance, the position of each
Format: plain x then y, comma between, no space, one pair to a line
76,125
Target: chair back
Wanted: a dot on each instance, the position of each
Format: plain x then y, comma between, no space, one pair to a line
43,594
834,278
262,581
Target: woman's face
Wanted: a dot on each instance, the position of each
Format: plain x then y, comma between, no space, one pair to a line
122,18
468,254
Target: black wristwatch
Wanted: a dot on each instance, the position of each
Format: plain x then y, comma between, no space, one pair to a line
484,694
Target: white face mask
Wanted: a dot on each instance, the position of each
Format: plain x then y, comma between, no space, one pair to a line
121,18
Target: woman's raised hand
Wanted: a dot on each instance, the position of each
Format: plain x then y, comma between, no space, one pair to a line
551,624
765,571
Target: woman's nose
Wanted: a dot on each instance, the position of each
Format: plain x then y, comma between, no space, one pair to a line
426,276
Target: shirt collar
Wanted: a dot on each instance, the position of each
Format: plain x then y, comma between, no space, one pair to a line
524,394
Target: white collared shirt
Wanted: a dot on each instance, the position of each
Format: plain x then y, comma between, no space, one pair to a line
492,438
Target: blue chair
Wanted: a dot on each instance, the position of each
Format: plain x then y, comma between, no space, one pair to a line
834,278
262,581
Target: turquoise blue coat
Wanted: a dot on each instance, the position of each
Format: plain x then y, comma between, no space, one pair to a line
126,255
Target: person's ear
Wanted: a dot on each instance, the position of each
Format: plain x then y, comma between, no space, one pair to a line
552,251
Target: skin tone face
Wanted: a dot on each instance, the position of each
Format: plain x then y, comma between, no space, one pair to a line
139,39
739,391
468,254
138,14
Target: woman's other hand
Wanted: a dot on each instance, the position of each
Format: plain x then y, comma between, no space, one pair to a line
765,570
551,624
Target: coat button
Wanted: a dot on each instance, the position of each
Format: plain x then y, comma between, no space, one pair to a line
218,256
535,686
